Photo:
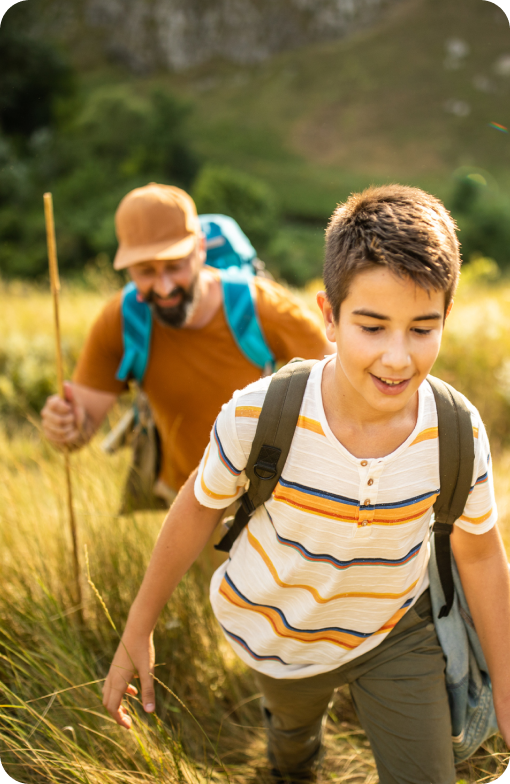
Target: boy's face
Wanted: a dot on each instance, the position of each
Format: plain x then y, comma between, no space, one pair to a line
388,336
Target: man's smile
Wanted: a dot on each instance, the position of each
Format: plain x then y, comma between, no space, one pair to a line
168,302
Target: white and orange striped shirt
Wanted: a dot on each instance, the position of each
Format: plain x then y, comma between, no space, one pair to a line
327,567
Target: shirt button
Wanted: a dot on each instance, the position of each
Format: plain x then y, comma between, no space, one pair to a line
364,522
364,463
370,482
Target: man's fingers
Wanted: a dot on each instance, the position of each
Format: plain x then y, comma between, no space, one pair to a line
59,423
68,391
56,405
68,437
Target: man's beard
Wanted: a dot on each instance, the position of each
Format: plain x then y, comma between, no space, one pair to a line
176,316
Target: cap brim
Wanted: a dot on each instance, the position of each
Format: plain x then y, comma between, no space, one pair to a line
126,257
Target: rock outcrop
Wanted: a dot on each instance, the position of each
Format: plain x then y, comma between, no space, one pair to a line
180,34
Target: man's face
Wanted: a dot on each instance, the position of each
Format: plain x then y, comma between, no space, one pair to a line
170,286
388,337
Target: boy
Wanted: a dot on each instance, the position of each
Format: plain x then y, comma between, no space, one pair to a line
328,583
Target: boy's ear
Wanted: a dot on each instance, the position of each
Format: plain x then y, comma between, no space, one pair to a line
448,310
327,315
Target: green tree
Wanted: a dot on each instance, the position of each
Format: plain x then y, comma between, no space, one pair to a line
34,78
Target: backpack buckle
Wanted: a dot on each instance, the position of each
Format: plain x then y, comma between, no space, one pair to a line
266,467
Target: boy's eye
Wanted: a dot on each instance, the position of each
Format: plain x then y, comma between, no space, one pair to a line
420,331
371,330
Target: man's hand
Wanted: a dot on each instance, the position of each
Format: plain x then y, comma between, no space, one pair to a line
73,421
134,654
64,421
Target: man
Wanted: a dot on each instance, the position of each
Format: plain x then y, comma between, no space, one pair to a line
195,363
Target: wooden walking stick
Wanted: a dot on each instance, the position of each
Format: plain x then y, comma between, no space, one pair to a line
55,289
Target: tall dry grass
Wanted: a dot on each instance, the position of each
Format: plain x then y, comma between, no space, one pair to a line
207,727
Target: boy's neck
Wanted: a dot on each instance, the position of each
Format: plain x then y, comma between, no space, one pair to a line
364,431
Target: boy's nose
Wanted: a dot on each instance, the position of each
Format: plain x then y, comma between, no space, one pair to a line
396,355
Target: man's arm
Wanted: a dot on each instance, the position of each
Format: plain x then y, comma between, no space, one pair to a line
185,532
483,570
73,421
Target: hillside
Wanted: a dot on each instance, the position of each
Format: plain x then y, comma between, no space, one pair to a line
409,96
410,99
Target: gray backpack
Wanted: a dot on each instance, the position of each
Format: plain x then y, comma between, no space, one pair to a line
467,677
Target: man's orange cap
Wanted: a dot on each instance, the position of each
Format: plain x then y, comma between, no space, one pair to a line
155,222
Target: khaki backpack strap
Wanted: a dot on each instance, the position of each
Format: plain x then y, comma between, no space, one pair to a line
271,445
456,461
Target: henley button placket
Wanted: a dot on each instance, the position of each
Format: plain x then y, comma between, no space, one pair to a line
369,473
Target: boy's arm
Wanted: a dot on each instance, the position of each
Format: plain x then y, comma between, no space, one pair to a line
483,570
185,532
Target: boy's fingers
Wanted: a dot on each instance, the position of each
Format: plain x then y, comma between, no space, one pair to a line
148,694
124,719
112,701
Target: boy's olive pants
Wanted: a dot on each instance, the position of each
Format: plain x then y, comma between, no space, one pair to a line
399,693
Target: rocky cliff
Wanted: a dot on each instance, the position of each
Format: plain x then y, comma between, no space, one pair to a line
179,34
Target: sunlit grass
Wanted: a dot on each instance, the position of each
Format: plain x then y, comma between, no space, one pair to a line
52,726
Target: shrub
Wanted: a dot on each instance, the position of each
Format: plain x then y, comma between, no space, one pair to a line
483,217
219,189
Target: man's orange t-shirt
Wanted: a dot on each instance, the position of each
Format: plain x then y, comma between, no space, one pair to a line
192,372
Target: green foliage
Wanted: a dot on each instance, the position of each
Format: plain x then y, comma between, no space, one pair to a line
247,199
113,141
35,79
296,253
483,216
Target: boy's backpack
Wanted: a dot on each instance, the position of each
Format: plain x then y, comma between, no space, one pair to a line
230,251
467,678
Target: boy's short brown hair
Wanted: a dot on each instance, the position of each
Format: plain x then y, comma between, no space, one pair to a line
404,229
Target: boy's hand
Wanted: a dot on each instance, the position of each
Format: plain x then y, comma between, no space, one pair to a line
134,654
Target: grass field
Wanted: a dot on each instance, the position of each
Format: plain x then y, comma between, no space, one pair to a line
207,728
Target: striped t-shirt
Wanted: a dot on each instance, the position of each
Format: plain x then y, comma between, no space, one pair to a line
327,567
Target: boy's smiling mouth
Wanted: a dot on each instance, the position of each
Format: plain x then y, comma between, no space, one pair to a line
390,386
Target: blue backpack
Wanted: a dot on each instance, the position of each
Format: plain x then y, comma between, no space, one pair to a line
230,251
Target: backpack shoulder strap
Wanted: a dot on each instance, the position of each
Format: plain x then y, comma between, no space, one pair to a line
271,445
136,335
456,461
239,302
